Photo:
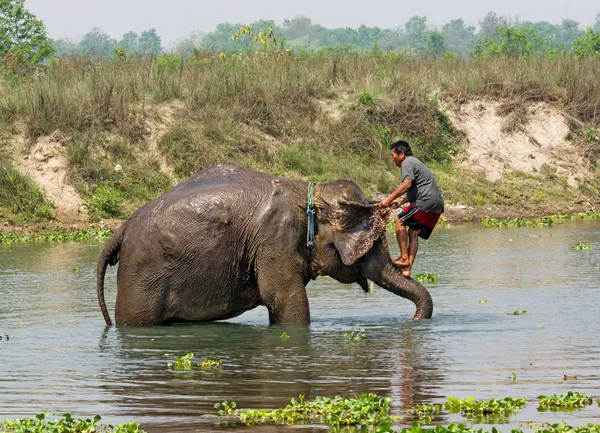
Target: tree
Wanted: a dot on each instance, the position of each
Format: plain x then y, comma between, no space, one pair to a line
588,44
149,43
129,42
488,26
460,38
96,43
436,46
544,36
569,31
22,32
189,42
512,42
64,47
597,23
416,33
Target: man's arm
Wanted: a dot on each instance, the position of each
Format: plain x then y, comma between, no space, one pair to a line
402,189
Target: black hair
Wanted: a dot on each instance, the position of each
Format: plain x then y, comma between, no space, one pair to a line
401,147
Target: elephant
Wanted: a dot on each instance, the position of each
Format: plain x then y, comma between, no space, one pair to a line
229,239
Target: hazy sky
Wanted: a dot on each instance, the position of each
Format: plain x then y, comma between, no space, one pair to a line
173,18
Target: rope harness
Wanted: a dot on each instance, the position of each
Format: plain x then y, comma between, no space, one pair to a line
310,212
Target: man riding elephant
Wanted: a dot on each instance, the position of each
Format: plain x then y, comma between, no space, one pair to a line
426,204
229,239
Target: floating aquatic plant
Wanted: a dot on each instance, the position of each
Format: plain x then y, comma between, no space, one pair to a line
581,247
426,412
473,408
182,363
569,401
284,336
364,410
426,277
56,237
355,335
548,220
210,363
185,363
66,424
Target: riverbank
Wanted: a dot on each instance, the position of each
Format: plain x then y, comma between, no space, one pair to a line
83,142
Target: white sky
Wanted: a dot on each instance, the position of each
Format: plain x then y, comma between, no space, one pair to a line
174,18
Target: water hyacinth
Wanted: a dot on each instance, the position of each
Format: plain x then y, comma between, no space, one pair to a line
569,401
473,408
364,410
66,424
81,235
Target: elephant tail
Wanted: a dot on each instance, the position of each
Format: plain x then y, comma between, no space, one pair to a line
109,256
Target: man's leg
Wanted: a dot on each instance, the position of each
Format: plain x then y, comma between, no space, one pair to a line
412,249
402,238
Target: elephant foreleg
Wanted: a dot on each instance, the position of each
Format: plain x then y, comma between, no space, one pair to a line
284,295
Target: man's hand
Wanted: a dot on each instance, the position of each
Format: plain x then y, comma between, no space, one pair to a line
385,203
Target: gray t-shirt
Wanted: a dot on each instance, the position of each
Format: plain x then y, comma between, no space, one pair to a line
424,192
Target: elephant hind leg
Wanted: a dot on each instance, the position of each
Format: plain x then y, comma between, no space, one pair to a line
284,295
136,306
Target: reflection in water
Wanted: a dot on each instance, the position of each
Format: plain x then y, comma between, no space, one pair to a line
61,357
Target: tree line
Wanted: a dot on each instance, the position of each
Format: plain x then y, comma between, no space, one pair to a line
23,38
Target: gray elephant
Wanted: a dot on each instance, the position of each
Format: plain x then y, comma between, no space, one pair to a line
229,239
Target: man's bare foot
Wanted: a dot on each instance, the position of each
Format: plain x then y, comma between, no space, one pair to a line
406,272
403,263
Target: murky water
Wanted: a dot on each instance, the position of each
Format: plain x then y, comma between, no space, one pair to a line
61,357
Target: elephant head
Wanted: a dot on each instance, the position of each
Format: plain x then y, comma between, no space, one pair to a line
351,245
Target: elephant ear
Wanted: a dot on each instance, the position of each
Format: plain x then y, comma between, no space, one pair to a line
356,226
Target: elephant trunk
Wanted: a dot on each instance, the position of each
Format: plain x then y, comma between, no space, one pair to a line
379,268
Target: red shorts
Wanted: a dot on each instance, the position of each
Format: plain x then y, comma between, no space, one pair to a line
419,220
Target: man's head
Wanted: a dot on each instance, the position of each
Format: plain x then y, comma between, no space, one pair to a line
400,150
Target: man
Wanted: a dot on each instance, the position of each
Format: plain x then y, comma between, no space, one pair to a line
426,204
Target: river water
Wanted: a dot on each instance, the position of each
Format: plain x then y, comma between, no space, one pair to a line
61,357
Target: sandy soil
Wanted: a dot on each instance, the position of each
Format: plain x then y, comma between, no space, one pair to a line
538,141
46,163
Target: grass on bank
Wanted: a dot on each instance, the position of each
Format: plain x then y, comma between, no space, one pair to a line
316,118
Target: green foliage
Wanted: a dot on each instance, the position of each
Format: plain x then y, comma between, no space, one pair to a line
472,408
425,412
186,363
364,410
19,195
426,277
210,363
587,45
511,42
66,424
564,402
355,335
21,32
226,407
547,221
516,312
366,98
284,336
106,202
82,235
581,247
149,43
437,47
183,363
537,428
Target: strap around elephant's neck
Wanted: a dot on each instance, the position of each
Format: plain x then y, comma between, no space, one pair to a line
310,212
